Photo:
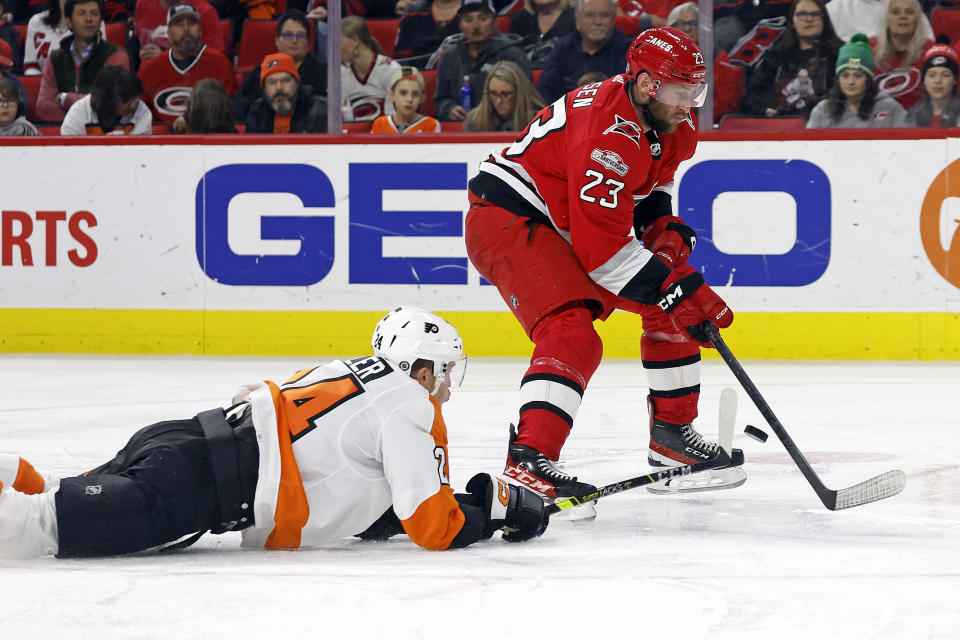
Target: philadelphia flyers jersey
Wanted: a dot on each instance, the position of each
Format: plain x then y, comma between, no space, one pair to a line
365,97
388,124
340,444
581,166
166,87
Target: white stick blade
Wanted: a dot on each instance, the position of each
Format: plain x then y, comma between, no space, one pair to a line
883,486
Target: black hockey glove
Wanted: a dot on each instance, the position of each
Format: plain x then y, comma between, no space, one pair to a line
386,526
518,511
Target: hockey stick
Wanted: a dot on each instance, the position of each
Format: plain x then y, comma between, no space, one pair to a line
883,486
720,461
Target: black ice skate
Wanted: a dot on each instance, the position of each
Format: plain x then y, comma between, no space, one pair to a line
537,472
672,445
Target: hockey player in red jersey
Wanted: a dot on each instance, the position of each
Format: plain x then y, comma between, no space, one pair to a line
550,225
352,447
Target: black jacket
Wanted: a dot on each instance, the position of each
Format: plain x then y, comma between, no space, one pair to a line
309,114
311,73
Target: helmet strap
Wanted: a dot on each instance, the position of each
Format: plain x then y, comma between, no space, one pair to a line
653,139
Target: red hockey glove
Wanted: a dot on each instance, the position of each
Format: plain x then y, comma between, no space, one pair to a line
688,301
670,239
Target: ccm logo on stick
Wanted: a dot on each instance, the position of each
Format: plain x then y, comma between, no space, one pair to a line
41,232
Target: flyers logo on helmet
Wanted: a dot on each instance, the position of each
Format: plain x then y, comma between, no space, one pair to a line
626,128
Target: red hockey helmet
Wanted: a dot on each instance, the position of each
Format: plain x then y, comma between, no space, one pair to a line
675,63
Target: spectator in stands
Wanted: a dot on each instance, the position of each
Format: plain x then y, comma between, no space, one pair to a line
596,45
590,77
509,101
406,94
796,72
940,105
209,110
856,16
152,22
293,39
13,11
898,50
426,24
6,73
10,37
113,107
854,101
471,55
71,68
13,121
686,18
365,73
285,107
44,33
168,79
367,9
735,19
540,24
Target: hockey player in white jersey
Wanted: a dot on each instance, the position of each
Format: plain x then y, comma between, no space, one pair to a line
352,447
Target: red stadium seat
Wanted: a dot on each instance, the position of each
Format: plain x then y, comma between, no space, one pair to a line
160,129
737,122
259,39
358,127
429,88
22,30
385,31
49,129
946,21
32,86
116,32
628,25
503,24
226,28
447,127
536,76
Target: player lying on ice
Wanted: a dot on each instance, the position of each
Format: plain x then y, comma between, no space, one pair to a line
352,447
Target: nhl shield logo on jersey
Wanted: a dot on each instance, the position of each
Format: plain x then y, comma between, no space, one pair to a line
625,128
610,160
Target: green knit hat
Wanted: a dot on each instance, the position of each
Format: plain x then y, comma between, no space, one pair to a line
856,55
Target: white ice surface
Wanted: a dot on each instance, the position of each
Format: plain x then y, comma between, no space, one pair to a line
766,560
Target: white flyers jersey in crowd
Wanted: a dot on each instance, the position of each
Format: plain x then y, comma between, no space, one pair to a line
582,164
340,444
41,40
366,97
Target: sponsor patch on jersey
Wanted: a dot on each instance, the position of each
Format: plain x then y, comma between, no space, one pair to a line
610,160
626,128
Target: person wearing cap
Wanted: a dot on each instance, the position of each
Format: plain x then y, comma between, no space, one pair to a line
940,104
168,79
596,45
406,94
425,25
286,106
6,73
293,38
854,101
69,73
471,55
151,20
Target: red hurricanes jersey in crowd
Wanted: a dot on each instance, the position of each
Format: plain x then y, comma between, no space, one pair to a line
581,166
166,88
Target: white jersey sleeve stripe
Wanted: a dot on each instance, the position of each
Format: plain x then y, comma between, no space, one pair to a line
615,273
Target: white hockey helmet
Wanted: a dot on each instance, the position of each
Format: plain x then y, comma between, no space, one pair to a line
409,333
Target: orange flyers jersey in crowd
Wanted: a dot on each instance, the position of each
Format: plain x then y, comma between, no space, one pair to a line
386,124
340,444
581,166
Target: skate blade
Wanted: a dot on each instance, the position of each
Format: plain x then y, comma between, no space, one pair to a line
713,480
579,515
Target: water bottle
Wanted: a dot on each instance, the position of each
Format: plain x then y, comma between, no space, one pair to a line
466,99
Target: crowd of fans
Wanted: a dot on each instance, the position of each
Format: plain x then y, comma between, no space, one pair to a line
482,65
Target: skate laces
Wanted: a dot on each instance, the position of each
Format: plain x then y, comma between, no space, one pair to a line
693,437
552,469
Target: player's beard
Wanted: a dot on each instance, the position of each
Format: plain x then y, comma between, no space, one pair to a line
655,122
282,104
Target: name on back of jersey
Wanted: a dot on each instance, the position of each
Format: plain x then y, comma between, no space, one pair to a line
369,368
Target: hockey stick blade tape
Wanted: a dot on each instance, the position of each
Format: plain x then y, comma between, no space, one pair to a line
757,434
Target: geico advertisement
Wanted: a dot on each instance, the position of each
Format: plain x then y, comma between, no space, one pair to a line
783,226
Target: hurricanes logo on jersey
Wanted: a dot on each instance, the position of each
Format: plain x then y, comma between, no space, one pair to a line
625,128
172,101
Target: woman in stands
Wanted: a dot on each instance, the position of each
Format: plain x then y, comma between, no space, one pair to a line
509,101
797,70
366,74
209,110
940,105
903,35
855,101
539,24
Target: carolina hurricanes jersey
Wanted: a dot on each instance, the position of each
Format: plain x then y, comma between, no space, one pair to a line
166,88
388,124
365,97
340,444
581,166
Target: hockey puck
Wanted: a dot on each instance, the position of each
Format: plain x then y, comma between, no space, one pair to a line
757,434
